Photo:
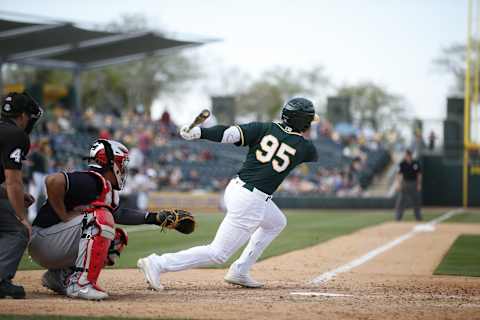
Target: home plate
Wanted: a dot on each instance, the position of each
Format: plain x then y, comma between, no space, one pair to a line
320,294
425,227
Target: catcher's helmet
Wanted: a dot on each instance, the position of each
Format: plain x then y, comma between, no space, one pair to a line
14,104
110,154
298,113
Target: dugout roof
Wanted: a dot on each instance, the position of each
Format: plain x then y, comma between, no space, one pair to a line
53,44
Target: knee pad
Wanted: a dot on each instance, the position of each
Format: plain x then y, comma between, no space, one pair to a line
98,233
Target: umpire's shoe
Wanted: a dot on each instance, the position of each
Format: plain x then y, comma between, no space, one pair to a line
87,292
8,289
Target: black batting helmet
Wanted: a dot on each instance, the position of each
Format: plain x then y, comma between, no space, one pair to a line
298,113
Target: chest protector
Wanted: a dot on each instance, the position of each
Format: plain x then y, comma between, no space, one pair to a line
108,197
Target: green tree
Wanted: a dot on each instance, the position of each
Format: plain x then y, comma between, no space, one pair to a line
372,105
452,60
265,96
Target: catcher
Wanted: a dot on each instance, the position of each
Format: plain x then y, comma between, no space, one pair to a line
74,235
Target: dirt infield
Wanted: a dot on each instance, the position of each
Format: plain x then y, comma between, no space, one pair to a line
398,284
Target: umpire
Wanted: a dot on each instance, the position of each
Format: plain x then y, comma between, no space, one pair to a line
18,116
409,184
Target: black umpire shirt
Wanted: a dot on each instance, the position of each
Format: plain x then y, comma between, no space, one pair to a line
82,188
409,171
14,146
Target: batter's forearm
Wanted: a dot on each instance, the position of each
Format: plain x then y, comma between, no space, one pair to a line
222,134
214,133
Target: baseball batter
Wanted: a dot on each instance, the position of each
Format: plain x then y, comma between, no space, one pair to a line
275,149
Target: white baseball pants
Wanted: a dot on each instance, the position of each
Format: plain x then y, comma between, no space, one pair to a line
250,215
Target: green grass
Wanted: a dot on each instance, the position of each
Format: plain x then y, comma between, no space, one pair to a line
305,228
463,258
466,217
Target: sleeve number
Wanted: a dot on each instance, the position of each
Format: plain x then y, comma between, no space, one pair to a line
16,155
269,147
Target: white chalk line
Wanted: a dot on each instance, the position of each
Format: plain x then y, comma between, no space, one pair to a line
320,294
426,227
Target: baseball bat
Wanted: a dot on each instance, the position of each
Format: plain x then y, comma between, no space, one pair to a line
200,119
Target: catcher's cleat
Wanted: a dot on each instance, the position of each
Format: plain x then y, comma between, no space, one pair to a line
55,280
151,273
244,280
88,292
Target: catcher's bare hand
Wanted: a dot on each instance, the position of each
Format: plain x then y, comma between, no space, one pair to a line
180,220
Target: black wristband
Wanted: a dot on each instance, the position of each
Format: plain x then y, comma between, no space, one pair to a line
157,218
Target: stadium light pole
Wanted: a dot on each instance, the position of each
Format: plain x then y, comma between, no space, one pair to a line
473,133
467,107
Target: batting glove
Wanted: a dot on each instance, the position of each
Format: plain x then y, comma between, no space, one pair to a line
193,134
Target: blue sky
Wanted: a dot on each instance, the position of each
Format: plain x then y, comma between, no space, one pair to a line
390,42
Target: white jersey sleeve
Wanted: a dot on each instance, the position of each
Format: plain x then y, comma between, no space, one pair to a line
231,135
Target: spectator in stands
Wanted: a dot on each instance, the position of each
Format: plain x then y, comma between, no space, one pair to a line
136,158
141,184
39,170
154,146
418,145
104,134
166,125
194,177
175,177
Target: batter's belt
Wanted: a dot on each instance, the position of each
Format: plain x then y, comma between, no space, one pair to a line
251,188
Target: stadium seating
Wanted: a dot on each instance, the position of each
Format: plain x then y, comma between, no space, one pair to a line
215,161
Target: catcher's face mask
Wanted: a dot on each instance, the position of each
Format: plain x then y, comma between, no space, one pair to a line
112,155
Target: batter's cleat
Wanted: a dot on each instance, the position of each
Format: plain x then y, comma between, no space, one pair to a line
151,273
9,290
86,292
243,280
55,280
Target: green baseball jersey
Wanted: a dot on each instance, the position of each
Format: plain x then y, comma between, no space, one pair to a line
274,151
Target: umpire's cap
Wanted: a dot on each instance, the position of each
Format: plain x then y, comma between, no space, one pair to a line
14,104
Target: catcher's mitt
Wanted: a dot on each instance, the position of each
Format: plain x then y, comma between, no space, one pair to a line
180,220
